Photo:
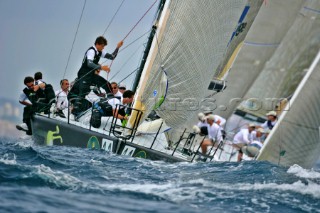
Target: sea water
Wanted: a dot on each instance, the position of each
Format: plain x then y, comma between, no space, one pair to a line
66,179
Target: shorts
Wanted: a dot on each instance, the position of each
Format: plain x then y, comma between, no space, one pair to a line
238,146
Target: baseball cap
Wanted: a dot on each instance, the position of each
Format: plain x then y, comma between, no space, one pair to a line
122,86
273,113
260,130
252,125
201,116
211,117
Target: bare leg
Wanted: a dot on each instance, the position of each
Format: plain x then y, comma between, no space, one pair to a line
240,156
205,144
238,147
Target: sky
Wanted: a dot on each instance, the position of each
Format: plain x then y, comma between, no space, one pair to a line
37,35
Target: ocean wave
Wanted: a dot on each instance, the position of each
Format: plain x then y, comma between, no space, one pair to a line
9,159
24,143
90,178
303,173
58,178
179,190
299,187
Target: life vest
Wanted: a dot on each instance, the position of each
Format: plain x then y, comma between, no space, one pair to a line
269,123
41,99
46,96
31,95
84,67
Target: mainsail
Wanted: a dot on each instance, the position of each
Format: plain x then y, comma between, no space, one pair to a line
295,139
287,66
191,42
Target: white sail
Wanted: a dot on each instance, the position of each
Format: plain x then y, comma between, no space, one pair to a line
295,138
191,42
260,44
246,19
235,45
287,66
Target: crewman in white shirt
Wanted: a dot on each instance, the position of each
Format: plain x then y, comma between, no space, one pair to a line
214,134
242,138
62,98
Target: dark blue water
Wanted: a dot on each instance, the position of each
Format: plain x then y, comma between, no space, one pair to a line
66,179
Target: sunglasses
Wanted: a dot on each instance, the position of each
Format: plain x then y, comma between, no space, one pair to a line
122,88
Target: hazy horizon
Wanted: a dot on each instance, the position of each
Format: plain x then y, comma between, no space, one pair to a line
37,35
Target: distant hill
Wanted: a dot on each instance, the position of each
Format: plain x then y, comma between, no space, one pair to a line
10,110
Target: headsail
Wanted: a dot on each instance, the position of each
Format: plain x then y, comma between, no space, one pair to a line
261,42
190,43
246,19
287,66
295,139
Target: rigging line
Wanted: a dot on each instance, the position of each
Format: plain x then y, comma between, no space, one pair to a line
123,39
134,41
75,36
135,27
118,52
113,18
140,19
158,48
129,75
134,53
130,44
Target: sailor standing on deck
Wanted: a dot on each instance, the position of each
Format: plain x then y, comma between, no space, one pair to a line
90,63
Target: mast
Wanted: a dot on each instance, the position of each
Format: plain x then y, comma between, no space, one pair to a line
148,46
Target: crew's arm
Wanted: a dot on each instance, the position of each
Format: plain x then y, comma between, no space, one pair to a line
23,99
39,86
26,103
92,65
113,55
246,138
115,52
222,122
114,102
263,126
117,115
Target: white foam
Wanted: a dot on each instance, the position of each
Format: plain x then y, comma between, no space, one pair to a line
181,190
25,143
303,173
57,177
96,162
9,159
298,187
